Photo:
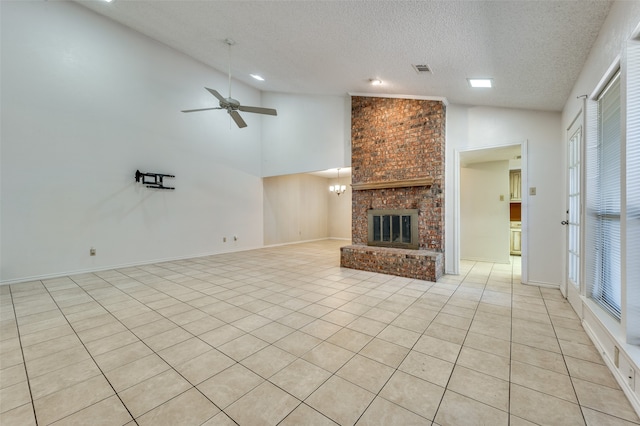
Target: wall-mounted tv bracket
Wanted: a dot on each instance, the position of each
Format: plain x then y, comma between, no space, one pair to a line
156,182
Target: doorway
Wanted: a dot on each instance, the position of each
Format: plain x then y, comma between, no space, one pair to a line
473,198
572,289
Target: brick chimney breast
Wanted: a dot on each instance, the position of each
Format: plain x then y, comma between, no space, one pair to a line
397,159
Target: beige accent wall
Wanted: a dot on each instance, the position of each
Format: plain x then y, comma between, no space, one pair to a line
484,215
339,213
300,207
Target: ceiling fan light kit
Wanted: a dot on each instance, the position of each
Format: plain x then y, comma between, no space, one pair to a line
233,105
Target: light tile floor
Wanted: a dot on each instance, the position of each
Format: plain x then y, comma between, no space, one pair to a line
285,336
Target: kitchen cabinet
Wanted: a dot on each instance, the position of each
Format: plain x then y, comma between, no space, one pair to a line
516,239
515,185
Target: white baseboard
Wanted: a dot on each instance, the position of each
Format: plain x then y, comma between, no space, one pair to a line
605,342
541,284
486,260
147,262
288,243
117,266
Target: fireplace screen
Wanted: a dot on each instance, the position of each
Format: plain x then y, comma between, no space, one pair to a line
393,228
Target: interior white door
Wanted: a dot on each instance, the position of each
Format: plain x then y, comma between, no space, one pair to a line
574,210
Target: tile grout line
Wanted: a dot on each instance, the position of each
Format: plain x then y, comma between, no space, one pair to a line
24,361
510,351
86,349
298,310
128,329
240,283
172,367
564,359
151,349
465,338
435,414
235,361
410,349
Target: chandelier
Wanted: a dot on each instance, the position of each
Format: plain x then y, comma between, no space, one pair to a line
338,189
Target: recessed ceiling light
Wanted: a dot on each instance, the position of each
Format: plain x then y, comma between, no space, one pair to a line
375,81
257,77
480,82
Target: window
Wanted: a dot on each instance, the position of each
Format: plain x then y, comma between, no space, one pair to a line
632,194
605,286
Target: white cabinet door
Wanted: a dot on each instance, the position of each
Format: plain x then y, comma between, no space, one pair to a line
515,185
516,241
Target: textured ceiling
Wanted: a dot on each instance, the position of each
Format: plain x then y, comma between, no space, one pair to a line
533,50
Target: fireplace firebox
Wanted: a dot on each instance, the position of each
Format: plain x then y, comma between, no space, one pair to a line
393,228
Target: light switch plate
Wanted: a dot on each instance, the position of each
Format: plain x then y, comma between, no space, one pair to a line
532,190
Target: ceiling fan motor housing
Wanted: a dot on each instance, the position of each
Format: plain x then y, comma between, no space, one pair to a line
230,103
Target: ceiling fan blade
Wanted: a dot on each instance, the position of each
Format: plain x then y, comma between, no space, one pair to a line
258,110
199,109
236,117
215,93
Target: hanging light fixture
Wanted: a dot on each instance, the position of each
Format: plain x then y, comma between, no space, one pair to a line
338,189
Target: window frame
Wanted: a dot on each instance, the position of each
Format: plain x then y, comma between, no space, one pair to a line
605,287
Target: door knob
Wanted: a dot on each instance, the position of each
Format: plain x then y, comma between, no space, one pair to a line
564,222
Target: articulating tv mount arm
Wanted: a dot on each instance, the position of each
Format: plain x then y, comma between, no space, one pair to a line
156,182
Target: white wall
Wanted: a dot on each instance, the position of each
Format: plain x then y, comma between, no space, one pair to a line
85,102
340,211
474,127
607,334
484,217
311,133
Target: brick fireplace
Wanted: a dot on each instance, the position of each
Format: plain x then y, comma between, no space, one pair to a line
397,163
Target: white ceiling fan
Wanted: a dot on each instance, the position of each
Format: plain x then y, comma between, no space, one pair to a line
233,105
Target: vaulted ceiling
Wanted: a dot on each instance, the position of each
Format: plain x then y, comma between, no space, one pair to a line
533,50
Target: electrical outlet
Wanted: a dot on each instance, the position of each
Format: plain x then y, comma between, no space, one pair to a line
502,198
92,251
224,239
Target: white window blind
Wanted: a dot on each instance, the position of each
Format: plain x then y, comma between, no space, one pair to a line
605,285
632,313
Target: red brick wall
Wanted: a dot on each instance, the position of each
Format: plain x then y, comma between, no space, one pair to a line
396,139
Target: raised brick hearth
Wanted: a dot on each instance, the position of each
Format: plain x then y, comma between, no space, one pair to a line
397,162
419,264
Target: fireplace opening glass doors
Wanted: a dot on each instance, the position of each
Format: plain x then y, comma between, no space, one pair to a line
393,228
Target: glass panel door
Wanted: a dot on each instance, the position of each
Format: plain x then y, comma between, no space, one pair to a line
572,290
573,212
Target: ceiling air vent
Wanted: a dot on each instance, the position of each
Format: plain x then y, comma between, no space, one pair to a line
421,69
